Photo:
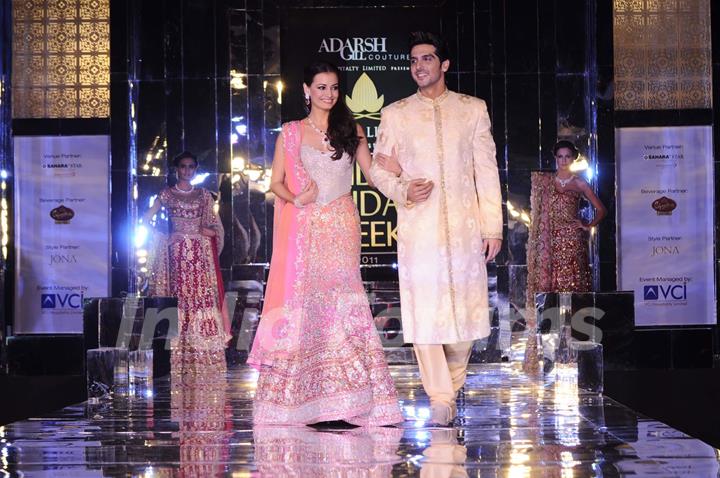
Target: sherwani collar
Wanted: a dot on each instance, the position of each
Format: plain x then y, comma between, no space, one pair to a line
432,101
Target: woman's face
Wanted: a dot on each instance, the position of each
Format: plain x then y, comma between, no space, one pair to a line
564,158
324,91
186,169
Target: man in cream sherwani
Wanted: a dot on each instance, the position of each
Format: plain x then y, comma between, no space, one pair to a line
435,158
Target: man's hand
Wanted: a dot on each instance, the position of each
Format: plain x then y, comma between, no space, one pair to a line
491,247
419,190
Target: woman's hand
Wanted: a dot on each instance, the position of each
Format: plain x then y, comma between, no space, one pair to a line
581,225
308,195
207,232
389,163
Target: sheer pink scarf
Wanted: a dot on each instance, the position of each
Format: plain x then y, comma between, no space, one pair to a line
280,323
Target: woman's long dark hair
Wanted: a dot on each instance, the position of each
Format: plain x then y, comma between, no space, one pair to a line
342,129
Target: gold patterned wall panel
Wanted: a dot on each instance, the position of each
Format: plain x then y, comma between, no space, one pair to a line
662,52
61,59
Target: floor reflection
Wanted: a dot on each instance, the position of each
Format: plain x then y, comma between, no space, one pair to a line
508,426
304,451
200,406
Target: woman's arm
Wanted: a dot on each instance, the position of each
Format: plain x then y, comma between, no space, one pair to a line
362,156
277,180
600,210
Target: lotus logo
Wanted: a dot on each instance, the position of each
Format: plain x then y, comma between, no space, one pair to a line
364,102
62,214
664,206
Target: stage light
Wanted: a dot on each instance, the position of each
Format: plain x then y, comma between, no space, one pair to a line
141,235
237,82
3,174
579,164
589,174
264,183
519,456
279,87
253,174
510,206
241,129
234,138
199,178
238,163
513,212
422,436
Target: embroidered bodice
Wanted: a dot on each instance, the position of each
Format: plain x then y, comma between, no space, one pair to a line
333,178
185,211
564,208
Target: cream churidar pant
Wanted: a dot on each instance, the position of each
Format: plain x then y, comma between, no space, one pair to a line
443,368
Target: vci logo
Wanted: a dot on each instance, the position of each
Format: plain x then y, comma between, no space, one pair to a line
665,292
61,301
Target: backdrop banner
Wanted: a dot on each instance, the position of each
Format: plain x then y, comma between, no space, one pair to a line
665,201
62,232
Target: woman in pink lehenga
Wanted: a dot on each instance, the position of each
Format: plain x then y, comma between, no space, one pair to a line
316,347
185,265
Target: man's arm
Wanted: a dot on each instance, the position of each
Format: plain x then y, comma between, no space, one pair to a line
487,179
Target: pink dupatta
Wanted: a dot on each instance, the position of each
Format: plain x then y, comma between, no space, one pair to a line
279,328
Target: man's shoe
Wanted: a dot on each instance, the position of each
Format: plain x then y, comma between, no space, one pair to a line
441,414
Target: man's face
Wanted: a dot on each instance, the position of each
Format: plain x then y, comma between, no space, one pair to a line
425,66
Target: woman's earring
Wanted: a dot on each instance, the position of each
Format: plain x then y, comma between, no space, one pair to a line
307,100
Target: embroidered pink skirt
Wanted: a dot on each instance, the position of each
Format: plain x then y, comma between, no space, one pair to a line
337,370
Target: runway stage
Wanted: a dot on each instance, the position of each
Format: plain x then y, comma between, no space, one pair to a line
508,426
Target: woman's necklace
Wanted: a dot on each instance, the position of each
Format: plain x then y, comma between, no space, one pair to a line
192,188
564,182
322,133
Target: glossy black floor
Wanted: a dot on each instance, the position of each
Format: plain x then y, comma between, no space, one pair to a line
509,426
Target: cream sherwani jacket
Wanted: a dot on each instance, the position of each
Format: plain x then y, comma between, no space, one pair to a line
443,278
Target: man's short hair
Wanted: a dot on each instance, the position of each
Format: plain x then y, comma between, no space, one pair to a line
429,38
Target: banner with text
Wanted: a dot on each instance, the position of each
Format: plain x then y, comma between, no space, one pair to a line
62,232
370,47
665,201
